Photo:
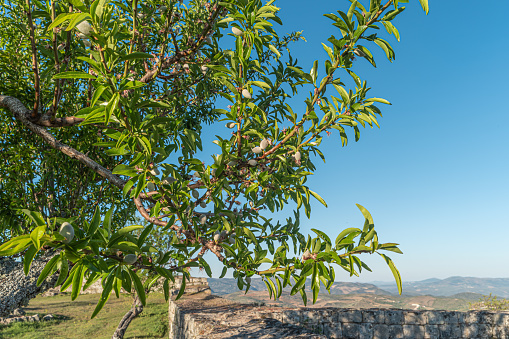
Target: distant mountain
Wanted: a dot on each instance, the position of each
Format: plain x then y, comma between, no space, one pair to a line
228,285
452,286
437,294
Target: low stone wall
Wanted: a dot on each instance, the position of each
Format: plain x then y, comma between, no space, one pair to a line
207,316
393,323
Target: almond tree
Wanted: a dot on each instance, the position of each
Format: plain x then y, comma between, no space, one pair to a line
130,83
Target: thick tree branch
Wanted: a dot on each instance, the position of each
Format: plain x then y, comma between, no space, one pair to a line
21,112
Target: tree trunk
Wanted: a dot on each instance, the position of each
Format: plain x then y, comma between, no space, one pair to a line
136,309
16,289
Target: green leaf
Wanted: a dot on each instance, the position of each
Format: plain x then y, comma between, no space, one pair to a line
107,220
136,55
94,224
318,197
104,296
383,101
36,235
346,232
97,94
64,269
139,286
73,75
78,4
424,4
394,271
365,213
29,257
111,107
61,18
77,281
166,289
274,50
182,288
47,269
35,216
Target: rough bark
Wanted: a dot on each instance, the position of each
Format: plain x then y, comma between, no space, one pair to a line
16,289
135,310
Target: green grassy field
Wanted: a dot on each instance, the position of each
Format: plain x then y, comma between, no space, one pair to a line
73,318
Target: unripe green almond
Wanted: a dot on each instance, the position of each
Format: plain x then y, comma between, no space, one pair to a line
230,125
257,150
169,180
84,27
231,239
67,231
252,162
217,237
186,66
251,204
246,94
155,171
195,194
163,8
196,174
203,219
264,143
208,40
232,163
237,31
213,171
204,69
203,204
248,280
297,156
87,43
223,234
359,52
130,259
151,187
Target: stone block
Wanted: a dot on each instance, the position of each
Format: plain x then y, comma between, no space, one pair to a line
487,317
500,332
291,317
435,317
469,330
414,318
394,317
373,316
366,331
309,317
351,330
450,331
473,317
450,317
333,330
395,331
350,316
380,331
484,330
413,331
431,331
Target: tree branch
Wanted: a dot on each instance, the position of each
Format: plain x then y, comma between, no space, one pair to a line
21,113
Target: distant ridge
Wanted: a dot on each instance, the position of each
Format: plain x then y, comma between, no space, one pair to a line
451,286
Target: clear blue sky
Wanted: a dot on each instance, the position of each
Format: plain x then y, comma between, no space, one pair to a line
435,177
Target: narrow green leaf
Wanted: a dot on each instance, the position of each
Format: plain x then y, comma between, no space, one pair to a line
73,75
47,269
29,256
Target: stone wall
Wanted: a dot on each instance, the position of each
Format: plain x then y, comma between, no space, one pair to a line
207,316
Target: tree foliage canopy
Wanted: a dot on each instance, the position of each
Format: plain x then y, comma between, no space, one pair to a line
103,104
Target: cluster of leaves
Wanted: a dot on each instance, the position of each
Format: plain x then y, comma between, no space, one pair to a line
491,303
151,74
